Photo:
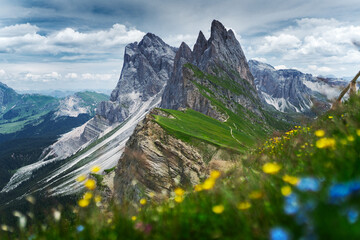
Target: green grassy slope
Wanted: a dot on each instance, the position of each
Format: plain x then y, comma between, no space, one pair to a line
304,184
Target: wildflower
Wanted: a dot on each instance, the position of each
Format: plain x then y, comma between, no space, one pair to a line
352,215
215,174
4,227
90,184
291,205
88,195
271,168
290,179
244,205
350,138
143,201
83,203
97,198
343,141
208,184
179,192
198,188
255,195
151,194
179,199
320,133
31,199
286,191
81,178
358,132
331,117
308,184
95,169
80,228
218,209
133,218
325,143
279,233
57,215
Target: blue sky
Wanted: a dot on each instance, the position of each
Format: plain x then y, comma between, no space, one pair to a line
68,44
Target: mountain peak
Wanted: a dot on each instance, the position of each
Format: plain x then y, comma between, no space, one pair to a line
200,46
218,30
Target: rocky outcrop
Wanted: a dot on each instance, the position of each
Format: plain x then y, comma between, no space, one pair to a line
7,95
289,90
156,162
218,64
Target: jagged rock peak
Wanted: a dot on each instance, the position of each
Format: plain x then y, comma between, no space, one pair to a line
184,51
218,30
200,46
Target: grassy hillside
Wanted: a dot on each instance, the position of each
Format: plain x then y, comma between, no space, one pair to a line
304,184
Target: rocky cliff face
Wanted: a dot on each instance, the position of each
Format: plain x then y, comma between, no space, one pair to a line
147,67
289,90
219,65
156,162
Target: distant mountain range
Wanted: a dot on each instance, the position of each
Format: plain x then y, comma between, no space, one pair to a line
175,114
31,122
289,90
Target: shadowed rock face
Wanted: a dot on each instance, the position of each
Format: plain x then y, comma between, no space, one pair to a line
147,67
220,56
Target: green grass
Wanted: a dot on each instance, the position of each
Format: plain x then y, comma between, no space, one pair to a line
192,124
298,153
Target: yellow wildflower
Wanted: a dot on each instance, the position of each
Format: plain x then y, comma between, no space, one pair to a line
350,138
81,178
179,192
215,174
255,195
97,198
143,201
331,117
90,184
95,169
218,209
286,190
83,203
88,195
151,194
358,132
208,184
244,205
320,133
325,143
290,179
133,218
198,188
343,141
179,199
271,168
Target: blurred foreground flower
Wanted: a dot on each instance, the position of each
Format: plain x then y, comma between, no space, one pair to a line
244,205
279,233
326,143
218,209
95,169
90,184
308,184
271,168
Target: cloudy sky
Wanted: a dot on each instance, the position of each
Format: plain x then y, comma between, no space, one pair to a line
79,44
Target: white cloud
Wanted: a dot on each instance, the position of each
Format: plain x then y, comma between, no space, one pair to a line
25,39
260,59
316,45
2,72
71,75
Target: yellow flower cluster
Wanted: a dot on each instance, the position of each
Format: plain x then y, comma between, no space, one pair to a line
326,143
271,168
320,133
91,185
290,179
255,195
209,183
286,190
179,195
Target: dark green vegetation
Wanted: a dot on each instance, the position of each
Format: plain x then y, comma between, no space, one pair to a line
320,171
